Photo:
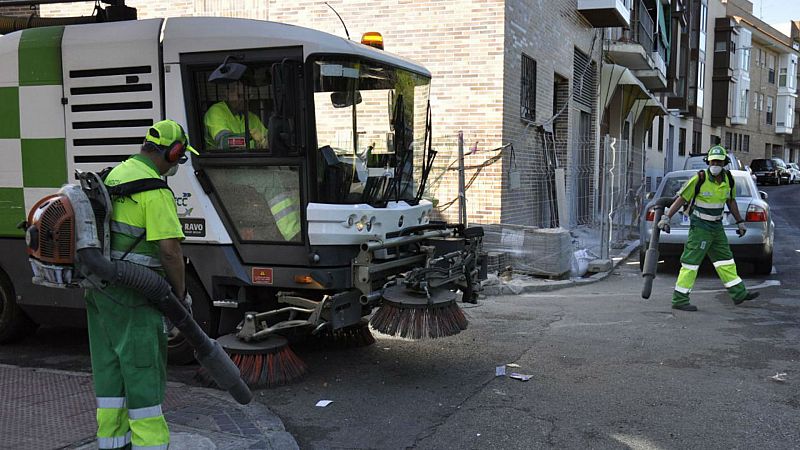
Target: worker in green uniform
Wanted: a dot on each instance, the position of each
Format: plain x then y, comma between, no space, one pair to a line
127,335
706,232
225,123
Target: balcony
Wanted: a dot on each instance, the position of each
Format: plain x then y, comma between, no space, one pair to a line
606,13
784,121
639,49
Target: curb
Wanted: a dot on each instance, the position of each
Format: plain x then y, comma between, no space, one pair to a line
543,285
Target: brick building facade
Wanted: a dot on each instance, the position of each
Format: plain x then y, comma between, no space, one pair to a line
475,51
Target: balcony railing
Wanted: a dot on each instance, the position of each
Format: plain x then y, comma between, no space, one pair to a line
642,27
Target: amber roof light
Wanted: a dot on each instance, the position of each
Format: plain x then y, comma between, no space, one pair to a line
373,39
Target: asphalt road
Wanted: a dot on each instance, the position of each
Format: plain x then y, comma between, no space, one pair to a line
609,370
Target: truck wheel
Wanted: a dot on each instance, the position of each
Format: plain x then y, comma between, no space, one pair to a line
763,266
14,323
179,352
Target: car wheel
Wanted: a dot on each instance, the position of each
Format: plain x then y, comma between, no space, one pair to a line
763,266
14,323
179,352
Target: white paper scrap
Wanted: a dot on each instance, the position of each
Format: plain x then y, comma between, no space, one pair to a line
520,376
780,377
324,403
499,371
513,365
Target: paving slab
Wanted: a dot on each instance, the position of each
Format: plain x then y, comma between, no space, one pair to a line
47,409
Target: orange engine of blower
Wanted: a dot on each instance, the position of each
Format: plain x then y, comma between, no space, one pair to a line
50,234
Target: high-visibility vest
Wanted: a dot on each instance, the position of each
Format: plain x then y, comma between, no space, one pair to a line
129,224
286,212
709,204
221,123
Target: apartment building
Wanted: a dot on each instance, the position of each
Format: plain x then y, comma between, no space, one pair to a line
755,85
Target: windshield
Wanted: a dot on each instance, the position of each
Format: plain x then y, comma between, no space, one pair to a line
370,125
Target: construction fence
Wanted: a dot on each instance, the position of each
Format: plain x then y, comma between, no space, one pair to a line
542,197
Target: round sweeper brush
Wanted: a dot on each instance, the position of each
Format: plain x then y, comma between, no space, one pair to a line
413,315
264,363
354,336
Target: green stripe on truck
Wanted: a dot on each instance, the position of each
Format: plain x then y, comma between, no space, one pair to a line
12,211
9,113
44,162
40,56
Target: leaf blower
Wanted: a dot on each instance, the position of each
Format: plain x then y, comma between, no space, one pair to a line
68,240
651,257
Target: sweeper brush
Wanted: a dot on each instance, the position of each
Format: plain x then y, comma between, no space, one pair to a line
354,336
264,363
413,315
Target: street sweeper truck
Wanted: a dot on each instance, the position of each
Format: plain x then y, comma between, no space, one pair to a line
304,211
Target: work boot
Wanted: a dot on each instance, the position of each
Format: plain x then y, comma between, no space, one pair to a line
685,307
749,296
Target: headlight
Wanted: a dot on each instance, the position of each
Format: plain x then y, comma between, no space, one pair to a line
362,223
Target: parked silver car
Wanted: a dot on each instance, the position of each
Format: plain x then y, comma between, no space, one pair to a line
755,246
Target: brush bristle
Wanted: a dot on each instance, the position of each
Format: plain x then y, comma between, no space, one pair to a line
419,323
269,369
358,335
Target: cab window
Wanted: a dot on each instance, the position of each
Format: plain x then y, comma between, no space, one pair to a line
234,114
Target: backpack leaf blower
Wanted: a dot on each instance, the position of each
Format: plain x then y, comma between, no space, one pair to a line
68,240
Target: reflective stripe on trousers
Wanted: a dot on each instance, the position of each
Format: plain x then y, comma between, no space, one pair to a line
714,243
113,430
149,428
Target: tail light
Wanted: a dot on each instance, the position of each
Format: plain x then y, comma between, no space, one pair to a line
755,214
651,215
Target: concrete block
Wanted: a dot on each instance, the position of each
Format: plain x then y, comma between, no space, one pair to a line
600,265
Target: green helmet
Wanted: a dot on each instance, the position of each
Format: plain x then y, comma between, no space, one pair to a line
717,152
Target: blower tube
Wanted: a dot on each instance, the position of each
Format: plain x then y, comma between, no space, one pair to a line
650,265
208,351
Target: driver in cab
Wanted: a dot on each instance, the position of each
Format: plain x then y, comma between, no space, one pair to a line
225,123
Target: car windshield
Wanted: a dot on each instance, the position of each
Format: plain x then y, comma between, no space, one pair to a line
370,125
672,184
760,164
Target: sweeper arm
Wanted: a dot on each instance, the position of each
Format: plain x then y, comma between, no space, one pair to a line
651,257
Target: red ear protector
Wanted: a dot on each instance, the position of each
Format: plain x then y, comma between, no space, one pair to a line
174,153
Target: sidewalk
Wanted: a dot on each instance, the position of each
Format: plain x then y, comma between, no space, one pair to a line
521,284
50,409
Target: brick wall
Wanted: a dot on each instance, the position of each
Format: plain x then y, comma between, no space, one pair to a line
549,32
461,43
18,11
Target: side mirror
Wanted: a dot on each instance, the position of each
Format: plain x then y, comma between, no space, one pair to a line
763,195
650,195
227,72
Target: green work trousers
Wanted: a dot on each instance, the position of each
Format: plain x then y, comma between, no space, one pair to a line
129,364
702,241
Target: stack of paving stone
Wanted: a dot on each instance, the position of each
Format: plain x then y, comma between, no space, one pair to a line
529,250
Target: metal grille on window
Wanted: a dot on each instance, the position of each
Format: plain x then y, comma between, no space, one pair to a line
584,80
527,107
